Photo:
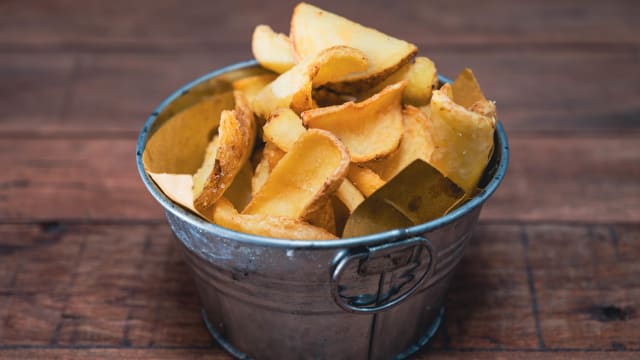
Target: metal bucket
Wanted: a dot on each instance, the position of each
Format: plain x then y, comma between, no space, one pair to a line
371,297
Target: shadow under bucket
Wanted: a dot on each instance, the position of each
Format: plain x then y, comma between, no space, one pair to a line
371,297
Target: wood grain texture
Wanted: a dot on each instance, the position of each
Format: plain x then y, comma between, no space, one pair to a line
200,23
551,178
567,90
126,286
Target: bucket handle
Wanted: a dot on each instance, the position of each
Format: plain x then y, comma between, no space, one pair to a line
408,255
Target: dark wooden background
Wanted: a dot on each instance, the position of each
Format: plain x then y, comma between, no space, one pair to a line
89,268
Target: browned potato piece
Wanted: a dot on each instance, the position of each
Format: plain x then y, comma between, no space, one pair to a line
314,30
349,194
292,89
225,215
364,179
323,217
283,128
273,154
462,140
236,134
306,176
422,78
370,129
272,50
416,144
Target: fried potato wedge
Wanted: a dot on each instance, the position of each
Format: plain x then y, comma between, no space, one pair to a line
272,50
225,215
314,30
177,147
236,134
466,90
370,129
421,76
202,175
416,144
419,193
365,179
283,128
308,174
462,140
349,194
273,154
292,89
252,85
323,217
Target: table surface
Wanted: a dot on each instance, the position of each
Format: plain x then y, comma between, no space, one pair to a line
89,268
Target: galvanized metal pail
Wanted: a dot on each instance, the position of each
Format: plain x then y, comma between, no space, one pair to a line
371,297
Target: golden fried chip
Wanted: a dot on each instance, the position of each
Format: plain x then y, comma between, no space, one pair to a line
349,194
252,85
236,138
308,174
283,128
323,217
421,77
178,145
370,129
462,140
314,30
225,215
416,144
273,154
365,179
418,194
466,90
292,89
260,176
272,50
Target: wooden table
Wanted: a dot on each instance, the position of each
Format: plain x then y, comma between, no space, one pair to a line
89,268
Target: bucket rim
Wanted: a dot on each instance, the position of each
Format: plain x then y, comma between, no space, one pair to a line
366,240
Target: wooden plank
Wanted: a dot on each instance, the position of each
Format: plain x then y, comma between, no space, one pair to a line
587,285
217,354
115,92
551,178
176,24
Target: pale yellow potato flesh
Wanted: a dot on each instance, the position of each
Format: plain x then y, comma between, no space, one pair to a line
293,89
349,195
421,76
365,179
252,85
225,215
283,128
272,153
236,136
260,175
272,50
308,174
370,129
415,144
462,140
314,30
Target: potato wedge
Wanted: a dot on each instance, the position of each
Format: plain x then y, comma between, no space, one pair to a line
323,217
421,76
416,144
314,30
370,129
177,147
466,90
236,134
365,179
225,215
202,175
272,50
283,128
260,175
292,89
273,154
308,174
462,140
252,85
349,194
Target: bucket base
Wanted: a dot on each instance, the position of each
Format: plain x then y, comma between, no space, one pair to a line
405,354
